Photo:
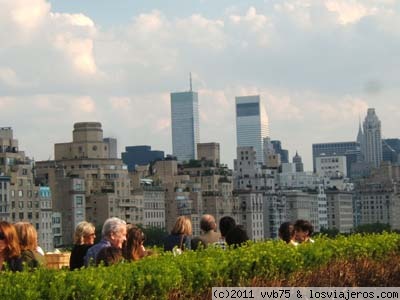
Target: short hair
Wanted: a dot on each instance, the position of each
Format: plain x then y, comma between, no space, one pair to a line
304,225
112,225
226,224
237,236
11,238
207,223
286,231
82,230
183,225
27,235
109,256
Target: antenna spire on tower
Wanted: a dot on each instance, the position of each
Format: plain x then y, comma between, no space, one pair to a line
190,81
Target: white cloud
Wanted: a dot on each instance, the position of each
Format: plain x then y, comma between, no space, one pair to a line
349,11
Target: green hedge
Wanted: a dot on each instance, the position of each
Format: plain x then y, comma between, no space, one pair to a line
193,272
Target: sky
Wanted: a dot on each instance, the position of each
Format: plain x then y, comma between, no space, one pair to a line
317,65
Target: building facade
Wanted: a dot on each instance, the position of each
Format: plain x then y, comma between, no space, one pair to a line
140,155
371,148
251,124
185,125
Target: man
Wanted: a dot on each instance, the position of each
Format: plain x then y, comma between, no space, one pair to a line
113,235
303,230
208,226
226,224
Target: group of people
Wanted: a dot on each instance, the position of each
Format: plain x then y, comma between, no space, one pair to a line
120,241
180,238
296,233
19,248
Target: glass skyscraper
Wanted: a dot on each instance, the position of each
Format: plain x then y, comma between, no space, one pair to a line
251,124
185,125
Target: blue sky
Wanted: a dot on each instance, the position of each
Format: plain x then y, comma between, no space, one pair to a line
317,64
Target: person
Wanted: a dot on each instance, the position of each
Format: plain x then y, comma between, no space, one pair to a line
84,236
134,246
225,225
179,238
109,256
10,252
237,236
287,234
303,230
113,234
28,242
209,236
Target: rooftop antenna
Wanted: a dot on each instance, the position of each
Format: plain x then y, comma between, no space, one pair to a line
190,81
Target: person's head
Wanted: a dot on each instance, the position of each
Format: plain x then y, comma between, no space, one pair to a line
303,230
134,243
114,230
183,225
84,233
109,256
207,223
237,236
9,243
27,236
286,232
226,224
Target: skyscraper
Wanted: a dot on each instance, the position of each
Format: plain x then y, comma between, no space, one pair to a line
185,125
372,140
251,124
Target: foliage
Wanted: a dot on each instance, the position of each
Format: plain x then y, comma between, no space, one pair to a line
155,236
194,273
373,228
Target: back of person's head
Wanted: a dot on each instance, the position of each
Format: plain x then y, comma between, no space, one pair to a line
109,256
82,230
27,236
207,223
9,236
226,224
304,226
134,240
112,226
286,231
237,236
183,225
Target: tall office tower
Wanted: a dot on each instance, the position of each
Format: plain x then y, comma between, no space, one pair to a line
185,125
112,147
251,124
298,162
283,152
372,141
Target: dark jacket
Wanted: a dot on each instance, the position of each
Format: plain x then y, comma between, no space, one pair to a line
180,240
78,253
13,264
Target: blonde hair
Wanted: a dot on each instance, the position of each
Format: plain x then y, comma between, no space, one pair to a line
183,225
27,235
82,230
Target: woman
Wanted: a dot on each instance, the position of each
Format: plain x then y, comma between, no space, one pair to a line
83,239
179,239
287,234
134,248
10,253
28,243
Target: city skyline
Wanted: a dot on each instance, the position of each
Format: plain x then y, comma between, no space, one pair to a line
317,66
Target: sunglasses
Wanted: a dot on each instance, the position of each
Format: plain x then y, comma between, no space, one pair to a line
2,236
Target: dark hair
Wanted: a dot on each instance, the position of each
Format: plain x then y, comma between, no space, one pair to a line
304,225
109,256
226,224
134,240
286,231
236,236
